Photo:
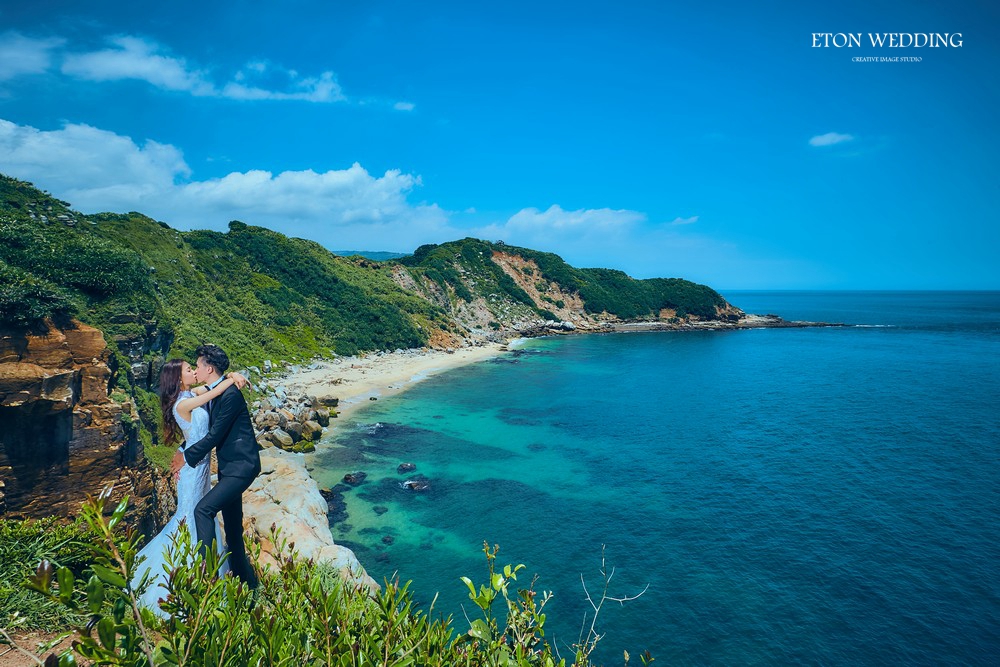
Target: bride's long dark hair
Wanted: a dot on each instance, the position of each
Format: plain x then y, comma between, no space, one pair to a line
170,387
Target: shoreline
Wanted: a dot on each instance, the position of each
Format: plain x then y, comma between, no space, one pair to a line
356,380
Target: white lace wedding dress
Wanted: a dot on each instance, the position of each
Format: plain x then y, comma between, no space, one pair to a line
192,485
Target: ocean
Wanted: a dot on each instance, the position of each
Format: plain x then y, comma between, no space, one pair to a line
814,495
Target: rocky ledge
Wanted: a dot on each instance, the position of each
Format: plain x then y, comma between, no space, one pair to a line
63,437
284,495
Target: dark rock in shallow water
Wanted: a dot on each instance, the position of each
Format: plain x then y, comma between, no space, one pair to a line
388,539
426,546
406,467
537,447
417,483
380,509
336,510
355,478
373,398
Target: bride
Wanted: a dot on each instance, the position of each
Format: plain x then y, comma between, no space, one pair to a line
183,410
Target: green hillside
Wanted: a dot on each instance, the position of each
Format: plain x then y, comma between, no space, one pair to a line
253,291
451,265
156,290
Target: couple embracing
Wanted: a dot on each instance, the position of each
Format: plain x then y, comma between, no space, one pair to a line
210,416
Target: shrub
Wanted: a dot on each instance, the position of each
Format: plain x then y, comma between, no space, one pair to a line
304,615
26,300
22,545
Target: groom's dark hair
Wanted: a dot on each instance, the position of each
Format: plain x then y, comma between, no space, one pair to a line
214,357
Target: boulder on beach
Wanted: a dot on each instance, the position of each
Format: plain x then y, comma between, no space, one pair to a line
294,429
312,430
281,438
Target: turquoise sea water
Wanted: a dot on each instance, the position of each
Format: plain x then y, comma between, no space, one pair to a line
821,496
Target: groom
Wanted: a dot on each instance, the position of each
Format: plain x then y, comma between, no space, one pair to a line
231,435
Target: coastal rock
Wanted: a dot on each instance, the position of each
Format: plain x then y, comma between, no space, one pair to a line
267,366
329,401
294,429
323,417
284,495
62,438
306,414
312,431
406,467
355,478
419,483
281,438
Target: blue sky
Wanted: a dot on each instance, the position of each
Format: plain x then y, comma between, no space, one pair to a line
705,140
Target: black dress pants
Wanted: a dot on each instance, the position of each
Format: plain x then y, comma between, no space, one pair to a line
226,497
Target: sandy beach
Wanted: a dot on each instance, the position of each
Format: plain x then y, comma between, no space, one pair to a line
356,380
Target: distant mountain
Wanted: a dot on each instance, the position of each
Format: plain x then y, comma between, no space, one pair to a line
376,255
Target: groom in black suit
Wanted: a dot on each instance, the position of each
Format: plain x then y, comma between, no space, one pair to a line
230,433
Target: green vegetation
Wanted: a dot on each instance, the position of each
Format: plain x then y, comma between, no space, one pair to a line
602,290
257,293
260,294
304,615
23,544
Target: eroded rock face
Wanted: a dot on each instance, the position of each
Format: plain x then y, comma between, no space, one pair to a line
61,437
284,495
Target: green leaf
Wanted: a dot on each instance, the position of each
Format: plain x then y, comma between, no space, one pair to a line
106,632
66,582
472,587
109,576
497,581
95,594
479,630
67,659
119,610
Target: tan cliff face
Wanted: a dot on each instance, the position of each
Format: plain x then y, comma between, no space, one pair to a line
61,437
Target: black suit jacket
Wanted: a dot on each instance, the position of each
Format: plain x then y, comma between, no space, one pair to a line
231,435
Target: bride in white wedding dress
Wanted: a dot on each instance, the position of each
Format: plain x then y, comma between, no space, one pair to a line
184,411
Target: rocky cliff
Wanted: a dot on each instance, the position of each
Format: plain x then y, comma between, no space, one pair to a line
285,496
62,436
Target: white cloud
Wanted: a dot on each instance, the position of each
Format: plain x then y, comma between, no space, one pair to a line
96,170
93,169
404,106
20,55
623,239
145,60
533,222
829,139
685,221
136,58
250,83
